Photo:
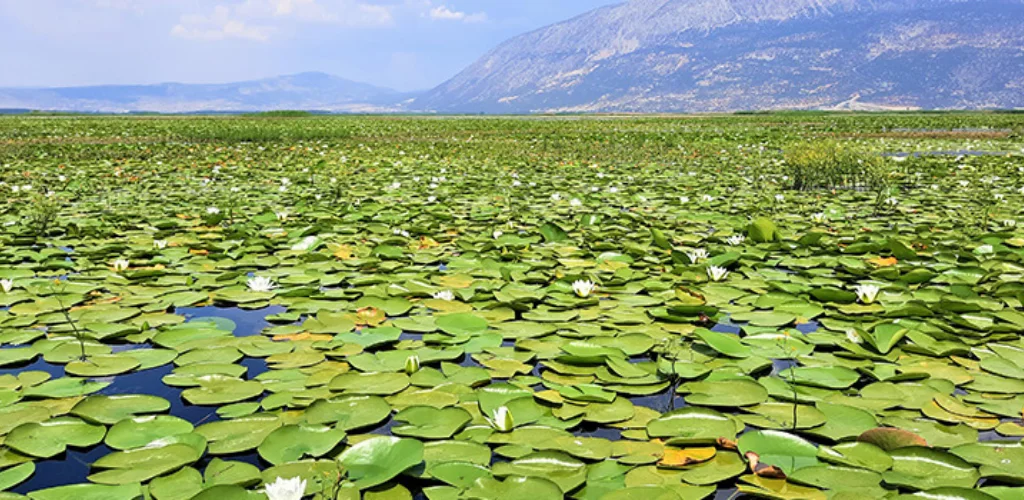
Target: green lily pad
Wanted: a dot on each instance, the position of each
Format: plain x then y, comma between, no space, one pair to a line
134,432
379,459
294,442
783,450
50,438
919,468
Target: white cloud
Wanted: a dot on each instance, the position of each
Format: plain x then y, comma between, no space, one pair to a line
258,19
443,13
135,6
220,25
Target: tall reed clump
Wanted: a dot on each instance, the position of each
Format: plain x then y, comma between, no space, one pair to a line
830,165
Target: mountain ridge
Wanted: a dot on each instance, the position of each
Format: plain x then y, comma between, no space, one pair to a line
685,55
664,56
307,90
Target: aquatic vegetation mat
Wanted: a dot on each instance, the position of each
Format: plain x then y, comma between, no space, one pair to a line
533,308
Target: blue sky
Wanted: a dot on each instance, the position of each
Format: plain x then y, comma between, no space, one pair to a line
403,44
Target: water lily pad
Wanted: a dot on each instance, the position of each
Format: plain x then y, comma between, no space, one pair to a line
181,485
515,488
294,442
370,383
425,422
559,468
783,450
46,439
919,468
222,391
134,432
143,464
238,435
692,425
724,393
16,475
348,413
89,492
460,324
377,460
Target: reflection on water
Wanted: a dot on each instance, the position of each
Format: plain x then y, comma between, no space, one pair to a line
590,430
248,323
726,327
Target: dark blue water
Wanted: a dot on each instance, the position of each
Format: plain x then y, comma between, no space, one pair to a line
72,467
248,323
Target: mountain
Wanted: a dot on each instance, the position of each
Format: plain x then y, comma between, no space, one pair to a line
727,55
306,91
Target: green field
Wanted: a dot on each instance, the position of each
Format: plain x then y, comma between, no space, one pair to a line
789,306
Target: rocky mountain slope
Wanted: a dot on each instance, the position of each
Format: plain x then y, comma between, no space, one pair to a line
726,55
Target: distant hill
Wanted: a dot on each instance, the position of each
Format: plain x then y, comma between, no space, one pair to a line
727,55
306,91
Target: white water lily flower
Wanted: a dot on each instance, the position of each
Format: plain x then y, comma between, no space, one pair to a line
286,489
575,202
213,210
261,284
965,183
780,198
306,243
736,239
501,420
412,364
684,199
285,181
497,234
516,183
15,189
707,198
583,288
999,196
281,216
867,293
892,201
717,273
160,244
62,178
7,285
613,190
1010,223
121,265
445,295
853,336
556,197
697,255
819,218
